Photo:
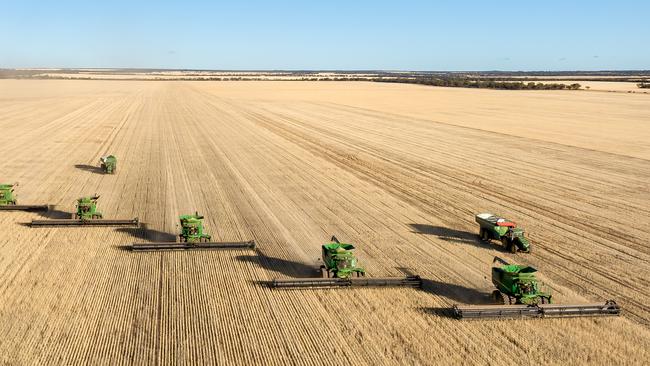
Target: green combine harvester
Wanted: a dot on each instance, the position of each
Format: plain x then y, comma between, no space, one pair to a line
86,214
520,294
192,237
493,227
339,269
108,164
8,200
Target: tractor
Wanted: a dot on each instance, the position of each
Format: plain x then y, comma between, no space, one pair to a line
87,209
7,196
517,284
512,237
108,164
339,261
192,229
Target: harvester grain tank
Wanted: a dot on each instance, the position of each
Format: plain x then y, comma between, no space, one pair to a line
338,270
520,294
512,237
108,164
8,200
86,214
192,237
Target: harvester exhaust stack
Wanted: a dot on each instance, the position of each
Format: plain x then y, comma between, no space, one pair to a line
609,308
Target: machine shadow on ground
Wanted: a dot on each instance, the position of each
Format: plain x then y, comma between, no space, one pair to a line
53,213
452,235
283,266
89,168
143,232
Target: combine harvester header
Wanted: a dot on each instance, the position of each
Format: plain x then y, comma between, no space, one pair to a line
8,200
192,237
87,215
338,270
520,294
609,307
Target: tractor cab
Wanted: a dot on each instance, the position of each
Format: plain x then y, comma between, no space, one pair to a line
108,164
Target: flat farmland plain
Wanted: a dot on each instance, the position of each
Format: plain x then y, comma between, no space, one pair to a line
398,170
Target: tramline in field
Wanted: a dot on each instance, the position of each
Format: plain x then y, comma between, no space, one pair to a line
338,270
192,237
86,214
520,294
8,200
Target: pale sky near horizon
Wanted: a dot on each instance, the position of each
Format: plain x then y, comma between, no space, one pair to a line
327,35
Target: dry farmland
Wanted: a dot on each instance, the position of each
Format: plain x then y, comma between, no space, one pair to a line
399,170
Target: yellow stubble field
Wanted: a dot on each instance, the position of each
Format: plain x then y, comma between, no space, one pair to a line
398,170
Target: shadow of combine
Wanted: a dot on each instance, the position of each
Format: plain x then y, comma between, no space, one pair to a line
89,168
53,213
440,312
456,293
452,235
283,266
144,233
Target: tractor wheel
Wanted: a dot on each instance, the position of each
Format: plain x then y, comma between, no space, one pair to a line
513,247
486,236
509,300
504,242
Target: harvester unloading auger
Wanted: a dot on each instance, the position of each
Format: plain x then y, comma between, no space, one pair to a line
192,237
8,200
520,294
87,215
340,269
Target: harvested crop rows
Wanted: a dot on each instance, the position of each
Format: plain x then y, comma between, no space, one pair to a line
398,170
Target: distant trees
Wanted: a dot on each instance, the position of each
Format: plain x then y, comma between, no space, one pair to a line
460,82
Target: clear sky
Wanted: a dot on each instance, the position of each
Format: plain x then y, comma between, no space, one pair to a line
334,34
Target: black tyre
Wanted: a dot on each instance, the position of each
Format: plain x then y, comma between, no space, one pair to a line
513,247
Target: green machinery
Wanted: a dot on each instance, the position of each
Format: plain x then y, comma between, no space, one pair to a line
108,164
8,200
87,209
338,270
86,214
192,236
520,294
339,260
517,284
493,227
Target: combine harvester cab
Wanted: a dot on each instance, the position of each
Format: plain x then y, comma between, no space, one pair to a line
338,270
519,294
8,200
86,214
192,237
108,164
512,238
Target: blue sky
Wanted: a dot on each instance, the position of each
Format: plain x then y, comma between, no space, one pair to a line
336,34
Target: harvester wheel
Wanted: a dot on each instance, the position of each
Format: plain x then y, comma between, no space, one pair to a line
486,236
498,298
